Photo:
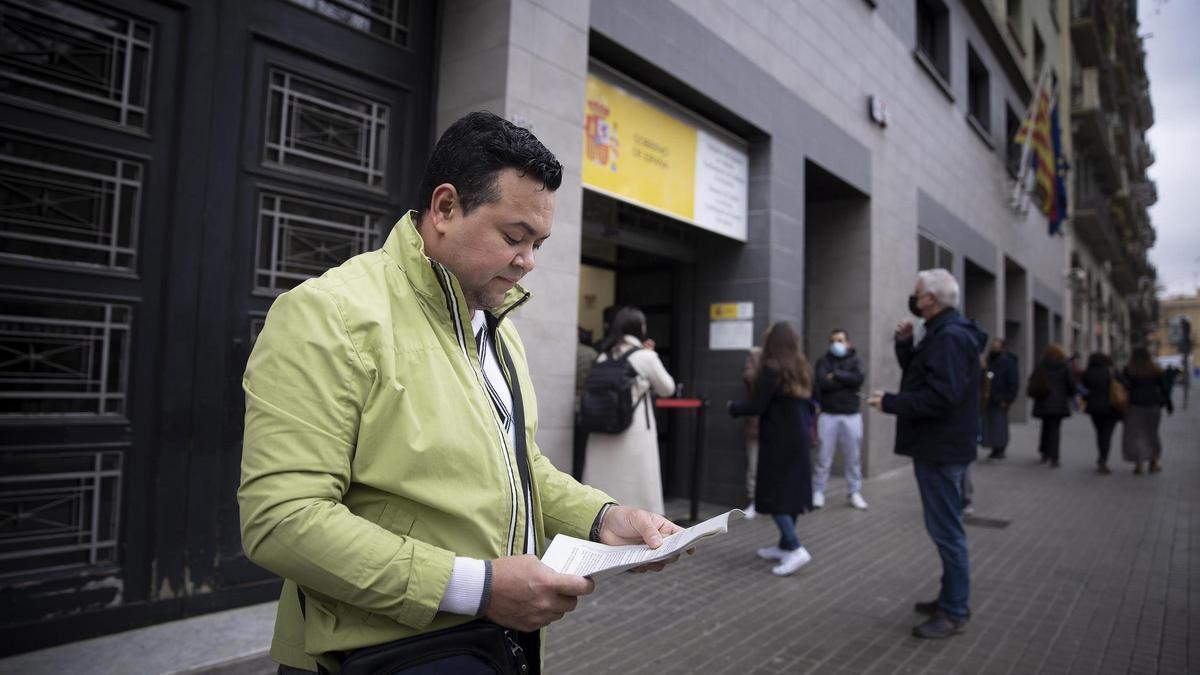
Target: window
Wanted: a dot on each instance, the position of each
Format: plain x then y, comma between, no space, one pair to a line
1039,52
1013,14
978,95
933,35
1012,156
932,253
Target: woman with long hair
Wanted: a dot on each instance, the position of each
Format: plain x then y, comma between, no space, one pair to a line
1052,388
786,414
1148,395
625,464
1097,380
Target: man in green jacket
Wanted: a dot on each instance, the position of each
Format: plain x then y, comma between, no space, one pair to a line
390,472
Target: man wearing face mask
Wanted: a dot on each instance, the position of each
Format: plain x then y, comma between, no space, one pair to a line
937,424
839,377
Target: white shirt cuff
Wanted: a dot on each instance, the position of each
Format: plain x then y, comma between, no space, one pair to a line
464,594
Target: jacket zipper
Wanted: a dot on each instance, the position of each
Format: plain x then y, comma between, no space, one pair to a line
452,305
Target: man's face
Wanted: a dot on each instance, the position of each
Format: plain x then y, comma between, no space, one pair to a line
997,346
839,338
493,247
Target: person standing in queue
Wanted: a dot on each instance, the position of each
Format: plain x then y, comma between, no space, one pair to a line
786,416
937,424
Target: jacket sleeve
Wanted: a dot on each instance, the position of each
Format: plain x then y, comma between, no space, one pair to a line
852,376
764,389
822,372
945,382
904,350
305,384
647,364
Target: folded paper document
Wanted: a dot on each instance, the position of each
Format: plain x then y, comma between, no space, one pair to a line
569,555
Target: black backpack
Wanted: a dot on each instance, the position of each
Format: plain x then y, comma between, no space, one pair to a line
606,405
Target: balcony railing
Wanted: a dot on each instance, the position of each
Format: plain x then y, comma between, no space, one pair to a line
1087,31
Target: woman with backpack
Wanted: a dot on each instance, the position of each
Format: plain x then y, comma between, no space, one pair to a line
624,463
1052,388
1149,393
786,422
1102,403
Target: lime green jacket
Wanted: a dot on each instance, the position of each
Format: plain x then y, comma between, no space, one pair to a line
372,454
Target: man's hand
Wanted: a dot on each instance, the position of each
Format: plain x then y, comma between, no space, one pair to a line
648,343
875,400
626,525
904,330
527,595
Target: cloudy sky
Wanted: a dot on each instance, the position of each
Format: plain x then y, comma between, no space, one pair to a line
1173,64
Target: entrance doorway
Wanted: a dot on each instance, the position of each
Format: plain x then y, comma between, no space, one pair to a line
631,256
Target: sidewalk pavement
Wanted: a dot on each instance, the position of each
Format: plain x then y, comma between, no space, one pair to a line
1092,574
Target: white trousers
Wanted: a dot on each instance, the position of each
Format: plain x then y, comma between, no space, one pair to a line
834,431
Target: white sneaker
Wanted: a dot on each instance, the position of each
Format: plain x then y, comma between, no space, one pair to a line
857,501
818,500
771,553
968,510
750,512
792,561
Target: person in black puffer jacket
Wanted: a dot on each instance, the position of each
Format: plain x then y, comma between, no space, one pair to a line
1051,386
1097,380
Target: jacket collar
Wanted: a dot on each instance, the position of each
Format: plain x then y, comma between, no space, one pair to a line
405,247
940,319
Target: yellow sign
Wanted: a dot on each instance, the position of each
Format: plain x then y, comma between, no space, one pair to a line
723,311
637,152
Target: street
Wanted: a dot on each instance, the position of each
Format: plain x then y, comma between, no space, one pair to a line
1092,574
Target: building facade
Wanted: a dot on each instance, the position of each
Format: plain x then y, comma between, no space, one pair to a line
179,164
1110,280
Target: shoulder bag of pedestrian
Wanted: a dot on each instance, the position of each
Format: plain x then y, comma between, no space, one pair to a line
606,405
1118,395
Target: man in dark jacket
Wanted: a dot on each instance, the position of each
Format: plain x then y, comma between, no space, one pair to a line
1003,374
839,377
937,424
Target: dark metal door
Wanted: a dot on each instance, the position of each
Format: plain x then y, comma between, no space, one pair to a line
320,134
166,169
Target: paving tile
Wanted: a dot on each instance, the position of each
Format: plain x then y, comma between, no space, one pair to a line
1093,575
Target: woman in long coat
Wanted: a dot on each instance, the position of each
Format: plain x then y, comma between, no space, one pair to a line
625,465
1148,395
1052,387
1097,380
1003,388
786,416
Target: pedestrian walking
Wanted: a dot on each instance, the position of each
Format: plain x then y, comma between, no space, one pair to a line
750,429
1003,383
1148,395
937,424
1052,388
839,377
390,472
626,465
1104,403
786,417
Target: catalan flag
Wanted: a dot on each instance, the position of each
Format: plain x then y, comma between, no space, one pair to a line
1042,134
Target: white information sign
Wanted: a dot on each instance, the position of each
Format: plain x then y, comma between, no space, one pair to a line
722,172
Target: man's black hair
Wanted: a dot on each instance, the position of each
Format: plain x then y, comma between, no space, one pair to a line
473,151
835,331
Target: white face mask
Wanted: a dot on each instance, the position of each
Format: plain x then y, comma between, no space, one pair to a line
838,349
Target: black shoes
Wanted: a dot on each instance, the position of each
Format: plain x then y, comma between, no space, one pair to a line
996,456
939,626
